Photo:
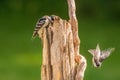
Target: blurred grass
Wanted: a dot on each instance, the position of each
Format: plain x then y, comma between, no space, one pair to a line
21,58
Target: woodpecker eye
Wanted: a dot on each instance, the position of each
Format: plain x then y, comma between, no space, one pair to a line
52,18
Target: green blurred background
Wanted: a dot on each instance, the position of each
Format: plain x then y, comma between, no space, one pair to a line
20,58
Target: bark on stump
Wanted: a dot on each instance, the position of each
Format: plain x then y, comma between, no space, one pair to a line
60,62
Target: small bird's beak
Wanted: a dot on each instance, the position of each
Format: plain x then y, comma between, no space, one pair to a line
96,63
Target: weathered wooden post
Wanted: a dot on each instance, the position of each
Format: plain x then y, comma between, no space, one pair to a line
61,58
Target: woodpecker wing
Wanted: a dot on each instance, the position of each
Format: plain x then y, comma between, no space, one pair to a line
39,25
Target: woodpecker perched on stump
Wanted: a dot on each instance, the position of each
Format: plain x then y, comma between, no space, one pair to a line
41,24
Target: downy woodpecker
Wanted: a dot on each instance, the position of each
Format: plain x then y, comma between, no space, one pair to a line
41,24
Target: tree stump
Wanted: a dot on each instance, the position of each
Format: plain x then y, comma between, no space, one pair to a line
61,58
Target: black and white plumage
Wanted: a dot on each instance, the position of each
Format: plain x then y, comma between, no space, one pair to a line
41,24
99,56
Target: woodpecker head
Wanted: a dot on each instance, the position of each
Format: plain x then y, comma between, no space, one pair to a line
51,18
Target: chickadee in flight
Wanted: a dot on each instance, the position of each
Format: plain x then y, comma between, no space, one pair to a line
99,56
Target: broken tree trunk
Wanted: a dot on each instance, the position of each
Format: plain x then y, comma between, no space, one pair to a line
61,58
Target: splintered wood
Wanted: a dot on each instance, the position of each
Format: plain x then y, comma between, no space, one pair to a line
59,59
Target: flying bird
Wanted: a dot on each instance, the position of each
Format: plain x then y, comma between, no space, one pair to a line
99,56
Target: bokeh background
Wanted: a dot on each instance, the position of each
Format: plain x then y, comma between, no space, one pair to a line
20,57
